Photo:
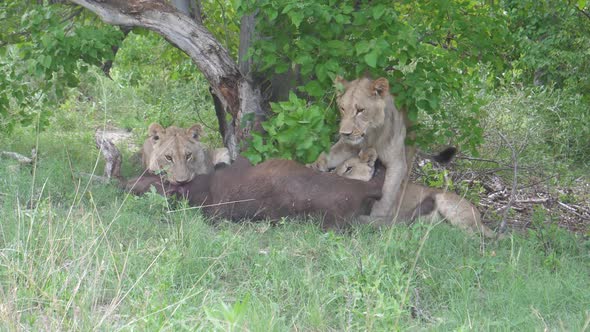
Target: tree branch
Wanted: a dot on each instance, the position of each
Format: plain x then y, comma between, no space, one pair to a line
583,12
235,92
514,183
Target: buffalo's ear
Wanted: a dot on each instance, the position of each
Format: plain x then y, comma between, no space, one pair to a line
155,130
380,87
368,156
340,84
195,131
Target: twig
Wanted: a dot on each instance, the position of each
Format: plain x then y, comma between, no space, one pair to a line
495,170
417,310
478,159
111,154
17,156
572,210
98,178
72,15
583,12
211,205
536,183
514,183
532,200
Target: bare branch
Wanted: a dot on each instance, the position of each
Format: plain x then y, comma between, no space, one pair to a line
514,183
16,156
477,159
583,12
236,93
111,154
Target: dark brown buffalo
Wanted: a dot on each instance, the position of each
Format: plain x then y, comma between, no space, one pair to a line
271,190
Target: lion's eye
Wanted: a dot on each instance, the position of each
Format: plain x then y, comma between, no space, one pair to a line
360,110
189,156
168,157
348,169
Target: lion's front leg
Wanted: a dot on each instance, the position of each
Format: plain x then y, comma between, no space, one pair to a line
394,176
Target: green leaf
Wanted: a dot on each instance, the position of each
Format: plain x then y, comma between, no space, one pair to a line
281,68
296,18
271,14
292,97
314,89
362,47
378,11
371,58
45,61
280,119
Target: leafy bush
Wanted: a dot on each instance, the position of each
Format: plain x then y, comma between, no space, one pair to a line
44,57
422,53
296,130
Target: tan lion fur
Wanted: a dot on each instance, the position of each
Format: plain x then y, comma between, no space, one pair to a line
178,153
429,204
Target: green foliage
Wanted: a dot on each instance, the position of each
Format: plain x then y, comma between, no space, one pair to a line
221,18
296,131
546,124
436,178
425,49
43,56
80,250
550,42
167,88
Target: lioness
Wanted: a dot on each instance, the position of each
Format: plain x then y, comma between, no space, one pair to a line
420,201
178,153
369,119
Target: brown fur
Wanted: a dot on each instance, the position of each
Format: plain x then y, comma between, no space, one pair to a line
271,190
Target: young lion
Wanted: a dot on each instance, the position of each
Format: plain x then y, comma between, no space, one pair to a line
420,201
178,153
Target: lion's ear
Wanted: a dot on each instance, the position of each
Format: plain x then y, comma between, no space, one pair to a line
155,130
340,84
195,131
368,156
380,86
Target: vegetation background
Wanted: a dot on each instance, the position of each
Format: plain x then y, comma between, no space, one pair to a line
496,78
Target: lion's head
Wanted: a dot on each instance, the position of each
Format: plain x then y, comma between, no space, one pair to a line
176,152
359,168
362,106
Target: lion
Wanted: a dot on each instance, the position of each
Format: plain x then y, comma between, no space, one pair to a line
178,154
369,119
429,204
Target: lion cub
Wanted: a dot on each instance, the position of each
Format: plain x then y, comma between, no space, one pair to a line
420,201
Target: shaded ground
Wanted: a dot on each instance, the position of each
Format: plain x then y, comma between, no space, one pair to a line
568,206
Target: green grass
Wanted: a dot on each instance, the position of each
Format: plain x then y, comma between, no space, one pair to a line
79,256
76,255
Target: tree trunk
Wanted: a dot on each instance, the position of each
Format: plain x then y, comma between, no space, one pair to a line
196,9
183,6
237,94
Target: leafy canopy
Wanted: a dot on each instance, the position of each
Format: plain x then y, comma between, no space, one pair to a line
43,54
426,49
